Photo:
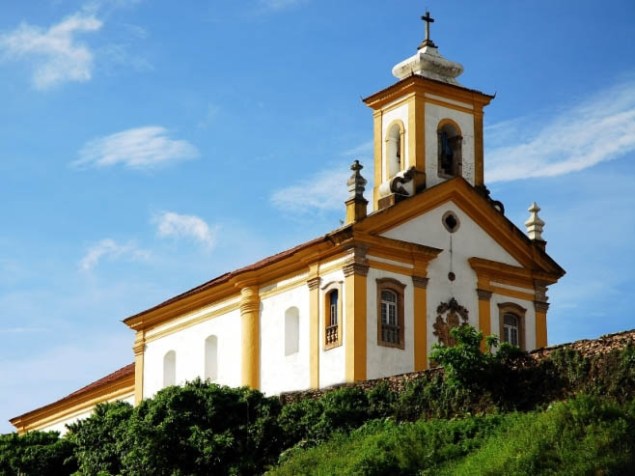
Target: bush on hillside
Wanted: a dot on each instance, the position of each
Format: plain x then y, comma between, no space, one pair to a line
36,453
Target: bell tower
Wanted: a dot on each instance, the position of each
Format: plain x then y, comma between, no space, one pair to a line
428,128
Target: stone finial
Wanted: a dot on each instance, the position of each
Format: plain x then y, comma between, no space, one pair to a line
534,224
428,62
356,203
357,183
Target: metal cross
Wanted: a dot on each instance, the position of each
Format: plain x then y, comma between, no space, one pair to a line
427,41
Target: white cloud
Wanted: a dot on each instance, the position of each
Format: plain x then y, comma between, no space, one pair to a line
170,224
108,248
596,130
138,148
281,4
324,192
364,150
55,54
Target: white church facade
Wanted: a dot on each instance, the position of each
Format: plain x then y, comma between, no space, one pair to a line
372,297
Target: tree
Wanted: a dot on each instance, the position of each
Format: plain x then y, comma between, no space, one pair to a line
101,440
36,453
203,428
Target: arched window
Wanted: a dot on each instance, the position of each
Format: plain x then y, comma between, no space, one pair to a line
512,324
332,326
291,331
449,149
390,313
394,150
169,369
211,358
332,315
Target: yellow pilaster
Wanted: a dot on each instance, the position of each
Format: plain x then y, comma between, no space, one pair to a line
250,314
314,328
479,171
378,148
417,137
541,323
139,352
355,319
420,324
484,315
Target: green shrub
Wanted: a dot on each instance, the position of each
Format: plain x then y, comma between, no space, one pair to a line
101,440
36,453
203,429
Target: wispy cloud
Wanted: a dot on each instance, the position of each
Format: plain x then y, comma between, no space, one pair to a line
138,148
281,4
595,130
170,224
55,53
109,248
363,150
326,191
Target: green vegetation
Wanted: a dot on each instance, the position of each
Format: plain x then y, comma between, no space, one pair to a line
484,413
581,436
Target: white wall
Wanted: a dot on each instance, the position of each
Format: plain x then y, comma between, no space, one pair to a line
280,372
189,345
332,364
384,361
468,241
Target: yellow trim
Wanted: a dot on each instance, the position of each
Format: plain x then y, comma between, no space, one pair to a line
65,409
541,328
484,317
314,327
420,328
449,105
189,323
139,367
512,293
479,166
417,137
389,267
377,135
355,326
420,85
250,313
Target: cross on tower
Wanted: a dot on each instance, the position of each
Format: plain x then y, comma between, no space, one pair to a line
427,41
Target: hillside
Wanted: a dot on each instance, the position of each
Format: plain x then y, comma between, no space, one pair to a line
568,409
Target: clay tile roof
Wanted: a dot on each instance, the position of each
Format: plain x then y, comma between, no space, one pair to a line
122,373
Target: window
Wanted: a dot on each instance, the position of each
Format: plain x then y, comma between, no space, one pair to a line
332,315
390,313
211,358
449,149
291,331
512,323
511,327
332,327
169,369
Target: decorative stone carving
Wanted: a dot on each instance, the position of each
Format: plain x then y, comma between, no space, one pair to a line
449,315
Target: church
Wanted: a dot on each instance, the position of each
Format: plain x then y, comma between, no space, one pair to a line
368,300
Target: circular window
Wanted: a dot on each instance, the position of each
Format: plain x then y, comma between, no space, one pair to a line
450,222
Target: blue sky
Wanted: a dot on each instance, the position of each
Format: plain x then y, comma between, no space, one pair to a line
148,146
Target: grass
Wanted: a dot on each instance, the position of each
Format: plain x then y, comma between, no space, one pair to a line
585,435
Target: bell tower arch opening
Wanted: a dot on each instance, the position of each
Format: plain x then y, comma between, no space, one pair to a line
449,149
395,153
